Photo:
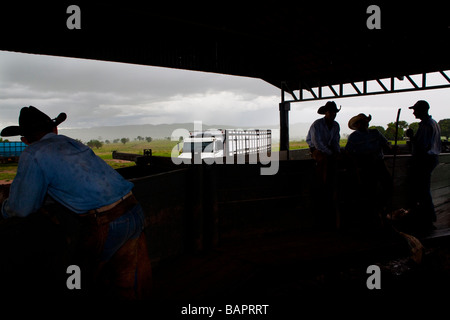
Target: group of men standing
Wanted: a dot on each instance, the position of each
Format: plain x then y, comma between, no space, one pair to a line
365,150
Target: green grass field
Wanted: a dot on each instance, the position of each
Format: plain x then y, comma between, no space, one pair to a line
160,147
8,171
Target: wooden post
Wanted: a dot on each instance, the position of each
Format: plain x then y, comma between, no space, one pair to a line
285,107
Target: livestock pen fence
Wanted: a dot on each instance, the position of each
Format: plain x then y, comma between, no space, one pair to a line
249,141
10,151
192,207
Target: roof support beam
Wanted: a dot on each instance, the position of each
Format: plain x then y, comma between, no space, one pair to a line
307,87
383,86
334,91
445,76
320,95
356,88
285,87
412,82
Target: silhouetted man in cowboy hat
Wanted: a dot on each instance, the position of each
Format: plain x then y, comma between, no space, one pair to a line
58,167
373,186
426,147
323,140
364,143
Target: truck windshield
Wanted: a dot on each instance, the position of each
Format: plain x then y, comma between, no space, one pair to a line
198,146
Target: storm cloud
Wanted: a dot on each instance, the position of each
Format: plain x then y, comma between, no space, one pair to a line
98,93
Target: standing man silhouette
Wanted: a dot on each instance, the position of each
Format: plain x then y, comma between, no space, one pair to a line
426,147
323,140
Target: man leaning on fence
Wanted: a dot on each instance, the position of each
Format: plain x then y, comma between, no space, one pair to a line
55,168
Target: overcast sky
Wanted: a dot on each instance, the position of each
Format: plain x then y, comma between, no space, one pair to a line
97,93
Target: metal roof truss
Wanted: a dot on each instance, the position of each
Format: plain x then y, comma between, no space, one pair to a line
367,87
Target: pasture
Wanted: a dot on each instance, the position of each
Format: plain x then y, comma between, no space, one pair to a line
159,147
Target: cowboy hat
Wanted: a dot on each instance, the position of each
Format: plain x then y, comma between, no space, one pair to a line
32,120
329,106
359,117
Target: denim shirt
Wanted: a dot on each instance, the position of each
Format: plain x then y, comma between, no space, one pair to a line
322,138
69,172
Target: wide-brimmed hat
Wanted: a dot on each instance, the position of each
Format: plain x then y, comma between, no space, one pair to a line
329,106
359,117
421,105
32,120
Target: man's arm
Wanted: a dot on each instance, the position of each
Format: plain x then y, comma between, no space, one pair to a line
316,138
28,189
336,137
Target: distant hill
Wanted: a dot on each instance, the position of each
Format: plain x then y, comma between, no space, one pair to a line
298,131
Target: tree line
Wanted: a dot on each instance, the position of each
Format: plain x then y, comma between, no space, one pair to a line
96,143
389,132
